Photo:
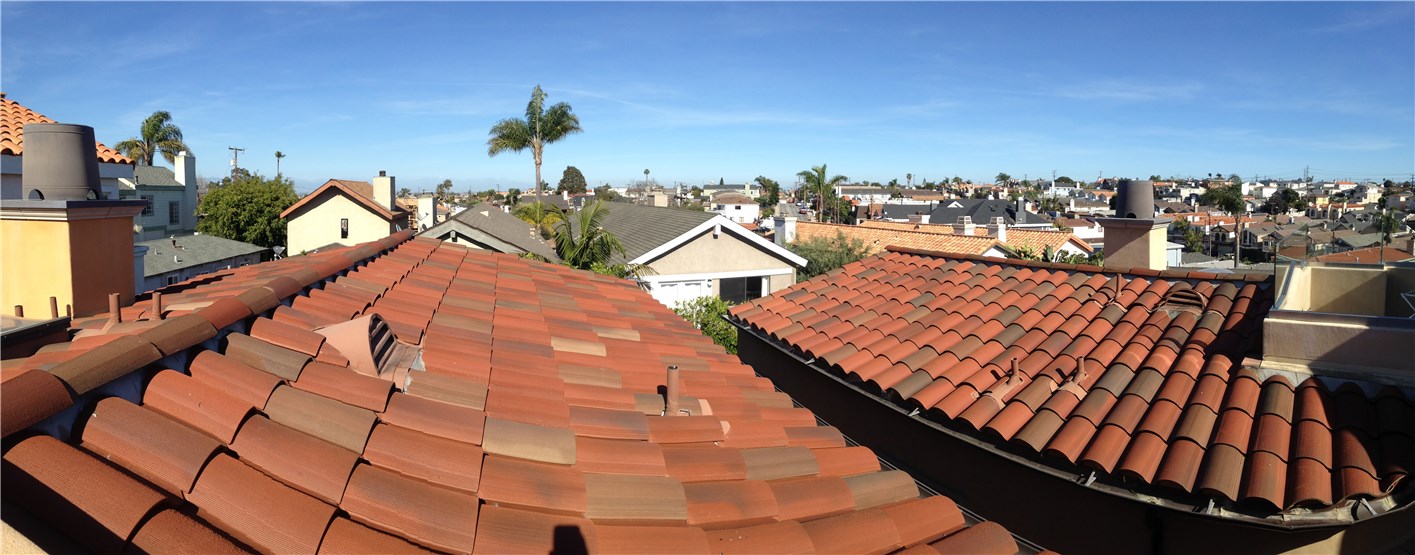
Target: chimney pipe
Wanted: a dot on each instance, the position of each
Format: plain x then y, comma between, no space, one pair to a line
53,307
19,311
670,407
60,163
157,303
115,313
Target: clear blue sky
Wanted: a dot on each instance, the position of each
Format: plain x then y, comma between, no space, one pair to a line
702,91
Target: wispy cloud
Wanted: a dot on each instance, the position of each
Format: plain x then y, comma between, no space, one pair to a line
1126,91
1367,16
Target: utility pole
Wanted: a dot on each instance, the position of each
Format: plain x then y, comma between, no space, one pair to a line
235,158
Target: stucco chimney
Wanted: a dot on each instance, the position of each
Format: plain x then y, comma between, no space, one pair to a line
964,226
185,170
383,190
1135,238
427,211
997,228
785,223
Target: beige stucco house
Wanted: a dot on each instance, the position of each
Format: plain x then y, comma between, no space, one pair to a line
344,212
699,254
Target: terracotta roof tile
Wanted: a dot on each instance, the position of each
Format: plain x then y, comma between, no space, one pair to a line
1167,405
528,386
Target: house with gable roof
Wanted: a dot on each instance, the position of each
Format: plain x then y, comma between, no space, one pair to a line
695,254
344,212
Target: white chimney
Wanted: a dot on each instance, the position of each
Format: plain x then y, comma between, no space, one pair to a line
185,170
383,190
997,228
785,223
427,211
964,226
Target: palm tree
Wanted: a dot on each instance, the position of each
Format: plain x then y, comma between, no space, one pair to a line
542,215
158,134
541,127
582,242
909,177
278,156
814,180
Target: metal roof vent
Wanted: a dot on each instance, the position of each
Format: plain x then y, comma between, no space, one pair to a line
59,163
1135,199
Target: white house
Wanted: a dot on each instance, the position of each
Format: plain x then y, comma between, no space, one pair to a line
737,207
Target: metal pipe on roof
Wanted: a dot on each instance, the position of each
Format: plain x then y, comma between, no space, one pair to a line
19,311
157,303
670,394
115,314
53,307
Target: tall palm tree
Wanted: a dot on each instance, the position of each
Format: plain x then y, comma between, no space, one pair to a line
540,127
158,134
814,181
278,156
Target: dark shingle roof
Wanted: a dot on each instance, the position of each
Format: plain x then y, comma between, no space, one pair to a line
645,228
491,220
191,250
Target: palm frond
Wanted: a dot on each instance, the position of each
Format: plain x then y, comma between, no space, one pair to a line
558,122
508,135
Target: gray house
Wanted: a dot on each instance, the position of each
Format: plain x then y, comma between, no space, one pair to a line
487,227
177,259
171,198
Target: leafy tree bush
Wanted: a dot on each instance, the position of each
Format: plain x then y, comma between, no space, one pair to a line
825,255
247,209
1227,197
572,180
705,313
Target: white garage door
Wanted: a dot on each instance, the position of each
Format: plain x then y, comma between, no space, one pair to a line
671,292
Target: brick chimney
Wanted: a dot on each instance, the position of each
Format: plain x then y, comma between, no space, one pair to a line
964,226
383,190
1135,238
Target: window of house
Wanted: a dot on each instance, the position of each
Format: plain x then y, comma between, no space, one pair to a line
344,228
736,290
147,208
171,280
174,213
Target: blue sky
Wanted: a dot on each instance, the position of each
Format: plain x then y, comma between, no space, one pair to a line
695,92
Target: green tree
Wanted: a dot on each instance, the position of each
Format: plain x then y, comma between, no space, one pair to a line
582,243
542,215
157,135
513,196
826,255
444,190
814,181
706,314
605,193
1193,239
771,194
909,180
278,157
540,127
1003,178
1155,178
1066,180
1227,197
572,180
405,192
247,209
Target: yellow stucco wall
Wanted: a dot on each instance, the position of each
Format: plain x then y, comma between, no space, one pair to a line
99,262
317,224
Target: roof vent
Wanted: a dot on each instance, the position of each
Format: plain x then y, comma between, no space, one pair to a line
1182,297
59,163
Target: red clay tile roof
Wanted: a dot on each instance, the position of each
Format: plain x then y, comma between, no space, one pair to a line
408,395
357,191
14,117
1136,375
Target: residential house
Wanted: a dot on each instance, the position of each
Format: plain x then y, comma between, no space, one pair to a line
1008,238
178,259
979,210
695,254
488,227
344,212
112,166
751,189
1369,255
737,207
171,198
407,395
